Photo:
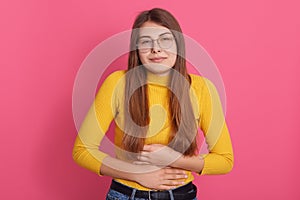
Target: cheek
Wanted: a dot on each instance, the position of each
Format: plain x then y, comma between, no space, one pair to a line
172,54
172,59
143,58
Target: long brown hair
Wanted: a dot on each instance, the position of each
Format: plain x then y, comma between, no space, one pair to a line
183,125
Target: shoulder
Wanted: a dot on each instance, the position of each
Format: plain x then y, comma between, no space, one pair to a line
116,75
202,86
112,81
198,82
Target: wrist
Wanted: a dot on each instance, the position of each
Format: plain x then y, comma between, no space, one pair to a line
177,162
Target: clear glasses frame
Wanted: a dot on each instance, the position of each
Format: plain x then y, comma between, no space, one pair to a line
164,41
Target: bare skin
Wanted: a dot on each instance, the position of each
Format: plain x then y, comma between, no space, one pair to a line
147,175
157,154
155,168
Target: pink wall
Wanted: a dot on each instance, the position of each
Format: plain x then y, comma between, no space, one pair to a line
255,45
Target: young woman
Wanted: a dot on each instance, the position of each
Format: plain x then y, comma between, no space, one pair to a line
157,107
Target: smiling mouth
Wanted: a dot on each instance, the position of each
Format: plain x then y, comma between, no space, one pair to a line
158,59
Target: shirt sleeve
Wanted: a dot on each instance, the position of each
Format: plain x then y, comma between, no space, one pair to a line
86,151
212,122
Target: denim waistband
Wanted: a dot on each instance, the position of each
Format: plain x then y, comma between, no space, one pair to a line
185,192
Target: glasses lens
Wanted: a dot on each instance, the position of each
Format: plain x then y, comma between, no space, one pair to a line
145,44
166,42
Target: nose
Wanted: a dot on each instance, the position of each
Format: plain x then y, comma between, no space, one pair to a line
155,47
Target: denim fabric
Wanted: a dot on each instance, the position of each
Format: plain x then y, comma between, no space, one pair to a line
114,195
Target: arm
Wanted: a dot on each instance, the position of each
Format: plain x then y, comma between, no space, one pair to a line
212,122
219,160
92,130
162,155
149,176
86,154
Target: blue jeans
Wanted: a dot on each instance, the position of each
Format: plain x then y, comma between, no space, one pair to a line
114,195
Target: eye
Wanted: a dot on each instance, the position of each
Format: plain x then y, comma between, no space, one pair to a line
166,42
166,39
143,42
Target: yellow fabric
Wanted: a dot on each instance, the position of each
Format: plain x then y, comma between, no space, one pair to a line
108,107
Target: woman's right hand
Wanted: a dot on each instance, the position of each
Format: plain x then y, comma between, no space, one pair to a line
162,179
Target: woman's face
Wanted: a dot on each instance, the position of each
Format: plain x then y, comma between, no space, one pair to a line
157,48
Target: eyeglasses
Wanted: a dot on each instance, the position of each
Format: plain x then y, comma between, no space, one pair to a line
146,43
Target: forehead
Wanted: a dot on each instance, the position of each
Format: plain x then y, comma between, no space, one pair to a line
152,29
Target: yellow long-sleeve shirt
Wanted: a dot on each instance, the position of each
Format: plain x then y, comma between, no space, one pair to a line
108,106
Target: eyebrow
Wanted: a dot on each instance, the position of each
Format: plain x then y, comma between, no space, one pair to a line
147,36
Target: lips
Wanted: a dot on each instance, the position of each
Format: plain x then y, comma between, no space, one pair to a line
157,59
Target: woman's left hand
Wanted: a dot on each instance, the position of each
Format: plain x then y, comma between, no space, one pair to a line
158,154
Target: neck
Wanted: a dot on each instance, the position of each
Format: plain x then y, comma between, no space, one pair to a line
158,79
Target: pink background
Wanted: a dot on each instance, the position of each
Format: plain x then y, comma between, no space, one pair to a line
255,45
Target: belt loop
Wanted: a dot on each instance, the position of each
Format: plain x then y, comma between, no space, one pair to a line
171,195
149,194
133,194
